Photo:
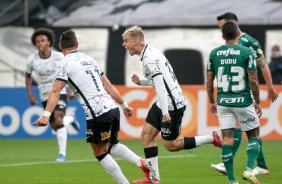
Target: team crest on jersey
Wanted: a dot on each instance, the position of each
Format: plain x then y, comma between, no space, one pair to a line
260,51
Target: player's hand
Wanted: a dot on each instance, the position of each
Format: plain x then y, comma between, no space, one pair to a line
213,108
32,100
166,118
42,121
272,95
128,111
258,109
136,79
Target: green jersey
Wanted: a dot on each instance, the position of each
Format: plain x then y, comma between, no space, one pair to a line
252,43
230,64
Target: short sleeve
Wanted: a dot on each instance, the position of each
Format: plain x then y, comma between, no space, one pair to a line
63,70
252,61
257,48
29,66
210,66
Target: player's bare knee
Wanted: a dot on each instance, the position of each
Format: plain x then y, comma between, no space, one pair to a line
170,146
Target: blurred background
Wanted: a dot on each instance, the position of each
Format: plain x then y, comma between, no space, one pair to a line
184,30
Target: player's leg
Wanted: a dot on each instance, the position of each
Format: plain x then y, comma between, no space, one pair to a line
236,144
150,130
59,113
98,133
122,151
261,168
56,122
237,140
108,162
148,135
170,132
249,123
71,120
61,133
227,123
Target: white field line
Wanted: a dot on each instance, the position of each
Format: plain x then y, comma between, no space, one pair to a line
78,161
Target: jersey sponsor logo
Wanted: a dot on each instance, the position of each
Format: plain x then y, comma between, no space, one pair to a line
230,51
248,121
106,135
232,100
165,131
228,61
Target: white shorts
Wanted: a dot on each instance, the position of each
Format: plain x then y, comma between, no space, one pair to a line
247,117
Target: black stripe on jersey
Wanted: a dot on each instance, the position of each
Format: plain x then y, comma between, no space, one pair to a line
81,94
170,95
144,52
62,80
156,75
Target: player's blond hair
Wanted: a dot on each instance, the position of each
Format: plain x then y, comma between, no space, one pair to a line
134,31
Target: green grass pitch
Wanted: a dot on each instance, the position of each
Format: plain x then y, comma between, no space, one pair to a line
33,162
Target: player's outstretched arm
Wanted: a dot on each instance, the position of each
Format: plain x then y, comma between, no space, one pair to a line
28,84
210,90
272,94
116,96
53,99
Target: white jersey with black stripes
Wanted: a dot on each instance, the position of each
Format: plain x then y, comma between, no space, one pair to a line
159,73
45,71
82,73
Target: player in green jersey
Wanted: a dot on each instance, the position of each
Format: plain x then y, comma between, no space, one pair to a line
234,66
250,42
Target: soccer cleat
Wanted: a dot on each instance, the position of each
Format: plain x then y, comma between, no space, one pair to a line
260,171
250,177
149,172
61,158
75,124
146,180
219,168
217,139
148,169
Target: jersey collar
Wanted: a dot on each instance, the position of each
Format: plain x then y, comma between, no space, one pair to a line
142,53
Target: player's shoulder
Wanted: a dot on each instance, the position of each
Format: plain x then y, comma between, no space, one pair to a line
216,49
57,54
248,40
32,56
151,53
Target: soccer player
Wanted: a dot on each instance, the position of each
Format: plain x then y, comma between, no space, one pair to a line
98,97
234,66
165,115
43,63
250,42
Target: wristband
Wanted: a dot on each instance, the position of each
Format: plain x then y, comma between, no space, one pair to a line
47,114
124,105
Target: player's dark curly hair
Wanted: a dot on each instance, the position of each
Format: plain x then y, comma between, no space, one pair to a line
228,16
43,31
